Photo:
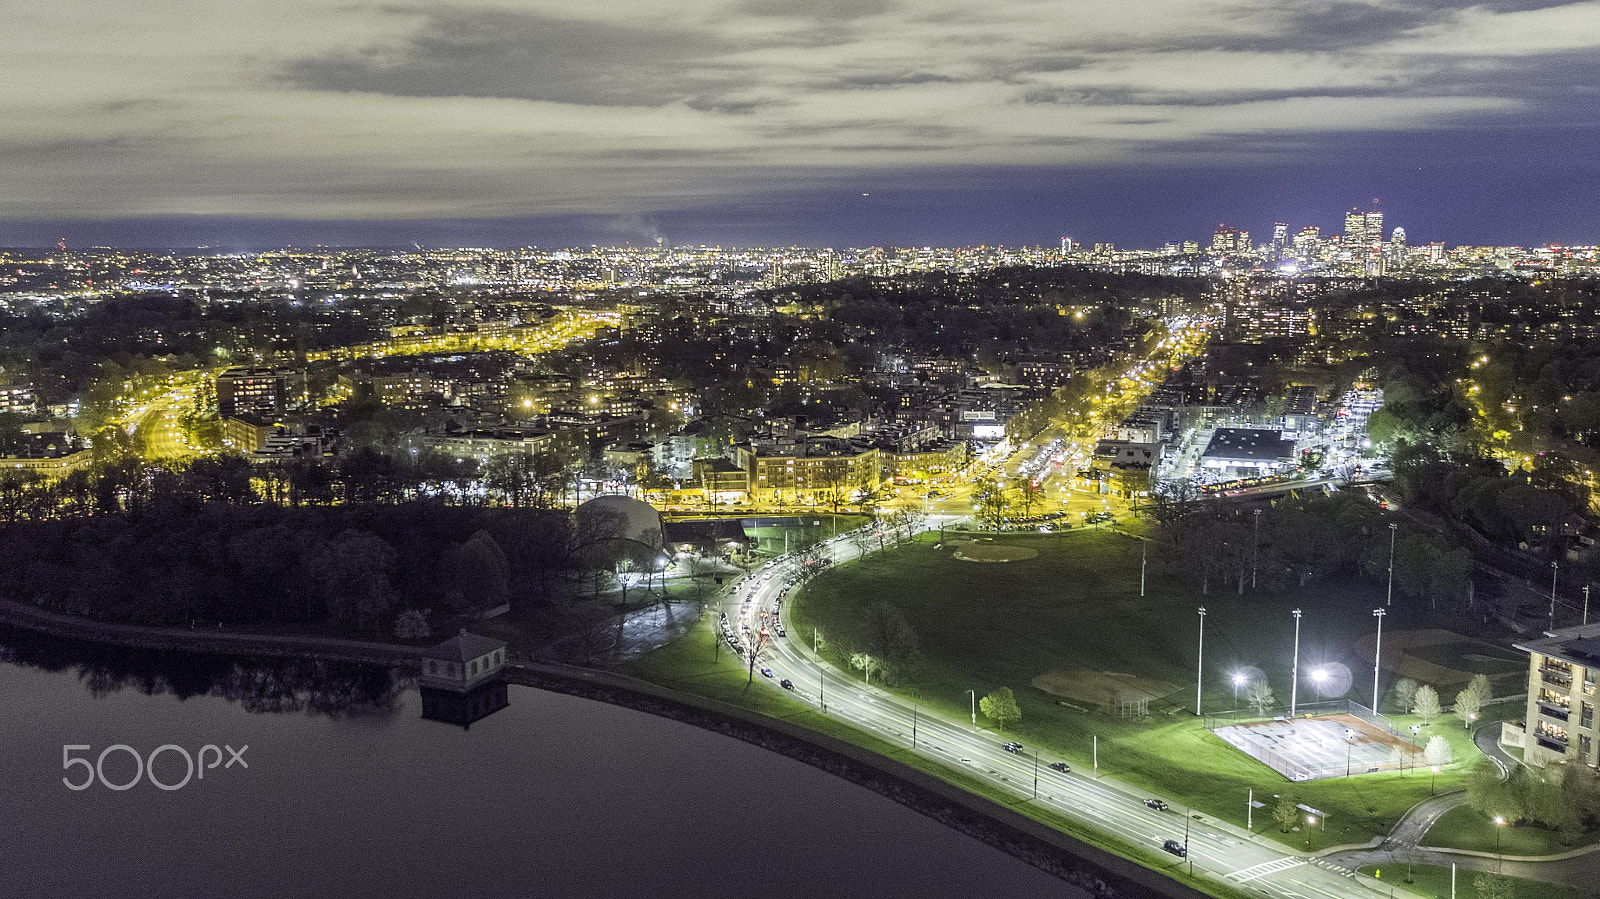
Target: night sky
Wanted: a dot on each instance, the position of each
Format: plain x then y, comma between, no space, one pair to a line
821,122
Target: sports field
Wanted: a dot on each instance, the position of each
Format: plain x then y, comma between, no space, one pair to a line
1328,746
1097,666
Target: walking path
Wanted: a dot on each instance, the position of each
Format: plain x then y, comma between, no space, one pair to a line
1578,868
205,640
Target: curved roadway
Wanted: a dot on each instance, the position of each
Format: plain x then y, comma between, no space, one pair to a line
1217,850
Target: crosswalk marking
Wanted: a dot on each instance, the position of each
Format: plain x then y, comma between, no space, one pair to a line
1265,868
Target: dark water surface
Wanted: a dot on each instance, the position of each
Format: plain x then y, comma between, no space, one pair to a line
350,793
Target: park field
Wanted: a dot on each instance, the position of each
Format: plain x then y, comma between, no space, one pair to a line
1068,631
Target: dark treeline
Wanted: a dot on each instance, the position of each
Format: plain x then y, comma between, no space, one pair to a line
358,565
1301,540
257,684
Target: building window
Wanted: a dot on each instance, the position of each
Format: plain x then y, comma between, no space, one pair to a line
1588,681
1586,718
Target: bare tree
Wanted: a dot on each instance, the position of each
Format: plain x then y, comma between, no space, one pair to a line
1258,696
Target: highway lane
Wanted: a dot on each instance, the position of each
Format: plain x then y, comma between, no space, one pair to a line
1220,851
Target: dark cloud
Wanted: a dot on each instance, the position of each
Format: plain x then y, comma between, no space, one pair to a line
479,53
819,10
878,80
1195,98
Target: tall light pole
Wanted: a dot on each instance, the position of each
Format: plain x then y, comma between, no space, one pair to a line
974,695
1294,673
1199,665
1144,552
1585,603
1238,681
1377,657
1255,547
1389,599
1555,568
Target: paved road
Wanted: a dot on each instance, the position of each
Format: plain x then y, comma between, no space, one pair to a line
1225,853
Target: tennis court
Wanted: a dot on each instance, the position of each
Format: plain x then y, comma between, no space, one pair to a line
1312,748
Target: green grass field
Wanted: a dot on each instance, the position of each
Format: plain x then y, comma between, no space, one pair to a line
1464,828
1077,606
1434,881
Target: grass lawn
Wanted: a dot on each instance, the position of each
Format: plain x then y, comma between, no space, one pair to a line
1434,880
1077,606
1464,828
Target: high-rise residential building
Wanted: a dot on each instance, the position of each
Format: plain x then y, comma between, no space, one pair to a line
1280,235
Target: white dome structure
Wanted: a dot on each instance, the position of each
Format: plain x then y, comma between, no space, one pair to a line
613,517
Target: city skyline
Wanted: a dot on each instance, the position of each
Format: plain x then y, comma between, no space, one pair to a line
821,123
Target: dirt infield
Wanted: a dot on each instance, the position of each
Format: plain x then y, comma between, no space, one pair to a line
1398,657
986,551
1102,690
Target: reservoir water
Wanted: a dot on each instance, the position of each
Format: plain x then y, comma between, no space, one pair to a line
349,792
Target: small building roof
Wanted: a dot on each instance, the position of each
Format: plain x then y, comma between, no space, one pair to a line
1248,444
463,647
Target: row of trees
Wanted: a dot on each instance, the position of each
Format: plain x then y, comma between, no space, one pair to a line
360,566
1298,541
524,480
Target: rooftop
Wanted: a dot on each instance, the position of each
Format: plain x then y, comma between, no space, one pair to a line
463,647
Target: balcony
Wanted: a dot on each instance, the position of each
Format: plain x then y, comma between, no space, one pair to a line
1555,743
1557,677
1551,710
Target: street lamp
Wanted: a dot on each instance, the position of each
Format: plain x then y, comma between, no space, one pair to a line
1199,665
1377,657
1499,822
1433,782
974,695
1294,671
1349,741
1238,681
1389,598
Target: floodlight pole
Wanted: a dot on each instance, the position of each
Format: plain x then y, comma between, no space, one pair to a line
1585,603
1389,598
1294,674
1199,665
1377,657
1555,568
974,695
1255,547
1144,552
